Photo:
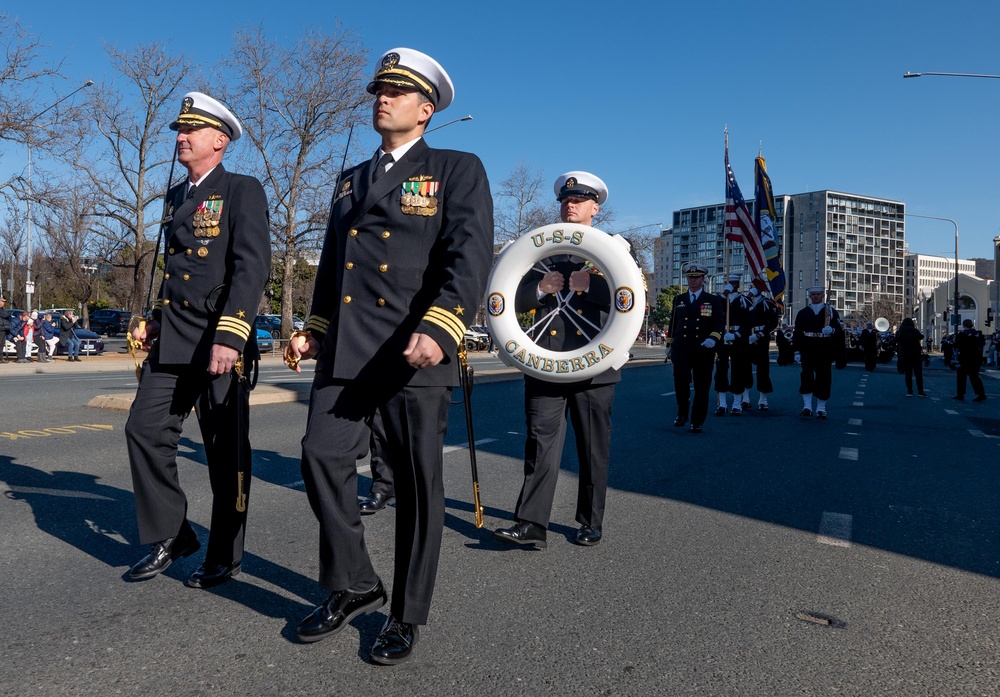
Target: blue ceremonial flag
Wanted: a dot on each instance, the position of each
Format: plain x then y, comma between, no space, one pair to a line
764,216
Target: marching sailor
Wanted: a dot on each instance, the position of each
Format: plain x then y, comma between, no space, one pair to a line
819,338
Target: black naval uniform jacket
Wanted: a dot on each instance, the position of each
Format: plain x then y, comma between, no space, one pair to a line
387,272
590,308
691,324
808,337
213,279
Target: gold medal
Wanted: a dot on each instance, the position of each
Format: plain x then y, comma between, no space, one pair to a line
203,252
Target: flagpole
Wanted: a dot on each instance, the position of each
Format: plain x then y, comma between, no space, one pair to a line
725,233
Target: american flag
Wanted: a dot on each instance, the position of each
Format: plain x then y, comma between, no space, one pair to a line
739,225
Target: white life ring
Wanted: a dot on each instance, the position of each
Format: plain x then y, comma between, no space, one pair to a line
610,347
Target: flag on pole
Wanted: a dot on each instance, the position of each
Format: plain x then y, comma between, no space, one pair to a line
739,225
764,216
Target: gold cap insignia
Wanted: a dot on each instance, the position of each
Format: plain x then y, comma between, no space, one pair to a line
390,60
186,105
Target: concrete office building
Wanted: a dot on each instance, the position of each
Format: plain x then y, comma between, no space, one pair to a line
852,244
923,273
697,235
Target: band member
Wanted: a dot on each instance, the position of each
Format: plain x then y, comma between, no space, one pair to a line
764,316
969,343
217,260
577,302
819,339
403,268
733,371
869,346
697,323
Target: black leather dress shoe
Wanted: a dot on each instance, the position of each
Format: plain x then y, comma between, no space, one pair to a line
806,412
339,609
587,536
374,503
210,575
695,428
680,421
395,643
720,411
979,398
162,554
523,533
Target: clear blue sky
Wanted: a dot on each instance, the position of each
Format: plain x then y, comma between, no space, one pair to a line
639,92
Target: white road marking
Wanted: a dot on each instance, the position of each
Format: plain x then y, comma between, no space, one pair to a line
465,446
667,394
848,454
858,404
950,411
860,392
980,434
835,529
854,422
851,433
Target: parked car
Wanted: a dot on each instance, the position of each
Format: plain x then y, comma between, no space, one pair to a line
91,344
110,322
265,343
297,323
476,338
270,323
8,346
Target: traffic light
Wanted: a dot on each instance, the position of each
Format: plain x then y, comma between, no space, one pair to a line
989,316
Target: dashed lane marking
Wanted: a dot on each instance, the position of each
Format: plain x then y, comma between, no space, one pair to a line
951,411
858,404
848,454
854,422
835,529
465,446
667,394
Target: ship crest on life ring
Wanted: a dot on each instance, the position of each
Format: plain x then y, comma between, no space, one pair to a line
606,347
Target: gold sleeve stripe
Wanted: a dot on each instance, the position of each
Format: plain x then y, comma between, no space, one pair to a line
230,319
158,305
447,317
236,326
318,323
446,321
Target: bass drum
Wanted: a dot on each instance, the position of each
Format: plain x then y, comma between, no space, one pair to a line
610,347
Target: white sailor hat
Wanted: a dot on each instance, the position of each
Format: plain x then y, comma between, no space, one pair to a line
581,184
694,268
815,289
404,67
734,278
198,109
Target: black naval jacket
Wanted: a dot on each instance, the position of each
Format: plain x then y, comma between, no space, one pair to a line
561,334
691,324
389,268
215,273
808,337
764,318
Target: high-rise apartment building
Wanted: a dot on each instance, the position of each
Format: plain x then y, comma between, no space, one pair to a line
851,244
924,272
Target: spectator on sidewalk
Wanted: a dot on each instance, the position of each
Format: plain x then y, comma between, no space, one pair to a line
50,334
67,323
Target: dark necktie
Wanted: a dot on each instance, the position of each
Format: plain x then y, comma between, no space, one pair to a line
380,168
191,191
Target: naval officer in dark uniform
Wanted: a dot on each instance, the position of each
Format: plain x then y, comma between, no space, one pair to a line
697,322
408,248
576,300
217,260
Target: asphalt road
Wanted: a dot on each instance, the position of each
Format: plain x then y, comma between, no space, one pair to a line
772,555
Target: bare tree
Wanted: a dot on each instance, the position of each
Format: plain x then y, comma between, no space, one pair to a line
520,204
296,104
73,251
127,169
23,73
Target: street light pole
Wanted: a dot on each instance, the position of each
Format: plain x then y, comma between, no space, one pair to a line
909,74
28,286
949,220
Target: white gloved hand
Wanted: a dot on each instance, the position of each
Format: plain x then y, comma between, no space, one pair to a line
708,343
827,331
729,337
753,338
